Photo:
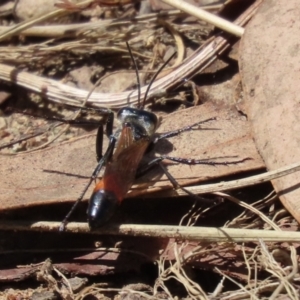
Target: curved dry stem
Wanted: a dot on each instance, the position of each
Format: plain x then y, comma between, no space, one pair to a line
64,94
235,184
249,207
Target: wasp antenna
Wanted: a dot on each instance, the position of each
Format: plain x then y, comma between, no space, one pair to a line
155,75
137,74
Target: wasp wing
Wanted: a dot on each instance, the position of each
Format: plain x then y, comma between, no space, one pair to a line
121,170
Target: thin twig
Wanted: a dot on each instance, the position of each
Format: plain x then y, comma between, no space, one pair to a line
206,16
164,231
249,293
74,30
251,208
28,23
234,184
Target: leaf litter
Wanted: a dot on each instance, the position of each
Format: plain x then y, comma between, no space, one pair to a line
26,184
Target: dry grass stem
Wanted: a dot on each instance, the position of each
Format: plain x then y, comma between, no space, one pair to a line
26,24
206,16
242,221
176,271
280,279
246,294
76,30
234,184
273,267
179,232
249,207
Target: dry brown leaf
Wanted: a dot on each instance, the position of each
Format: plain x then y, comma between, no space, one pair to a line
270,63
25,181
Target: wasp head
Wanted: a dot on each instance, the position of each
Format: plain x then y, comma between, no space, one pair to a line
144,120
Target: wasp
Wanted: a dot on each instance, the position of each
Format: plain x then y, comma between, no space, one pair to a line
122,158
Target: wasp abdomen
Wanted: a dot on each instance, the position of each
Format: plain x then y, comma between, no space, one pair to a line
102,206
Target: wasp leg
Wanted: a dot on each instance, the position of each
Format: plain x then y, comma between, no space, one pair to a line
157,161
178,131
176,186
98,168
209,162
108,131
148,166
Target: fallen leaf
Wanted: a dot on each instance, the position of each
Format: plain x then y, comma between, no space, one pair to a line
270,63
26,180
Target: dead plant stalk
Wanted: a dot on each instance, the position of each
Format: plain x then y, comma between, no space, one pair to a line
64,94
179,232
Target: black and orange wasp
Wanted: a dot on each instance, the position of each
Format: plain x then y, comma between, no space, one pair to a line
122,158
